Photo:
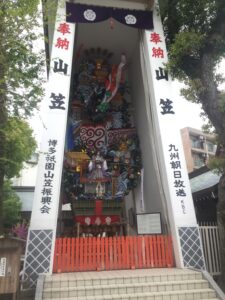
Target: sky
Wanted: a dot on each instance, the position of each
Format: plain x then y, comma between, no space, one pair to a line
189,113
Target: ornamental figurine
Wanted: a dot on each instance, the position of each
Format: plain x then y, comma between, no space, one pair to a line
97,167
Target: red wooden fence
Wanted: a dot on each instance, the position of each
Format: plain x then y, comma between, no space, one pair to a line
113,253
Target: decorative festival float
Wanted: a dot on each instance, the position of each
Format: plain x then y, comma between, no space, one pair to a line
103,157
112,148
108,125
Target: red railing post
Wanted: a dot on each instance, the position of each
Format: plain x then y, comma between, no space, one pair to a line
72,269
68,255
107,267
119,249
163,244
102,247
132,258
85,266
59,266
159,250
170,262
56,255
77,246
81,262
64,254
94,261
123,248
127,252
147,251
98,255
139,240
111,253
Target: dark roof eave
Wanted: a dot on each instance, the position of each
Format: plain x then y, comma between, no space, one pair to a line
202,193
198,172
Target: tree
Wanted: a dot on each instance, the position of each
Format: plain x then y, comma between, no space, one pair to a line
195,36
20,83
19,146
11,206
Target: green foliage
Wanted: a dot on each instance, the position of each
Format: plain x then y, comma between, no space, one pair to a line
21,84
208,128
182,15
185,50
195,36
21,64
19,145
11,206
192,90
217,164
221,98
192,28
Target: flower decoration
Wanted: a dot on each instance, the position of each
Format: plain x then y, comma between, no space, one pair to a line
108,220
130,19
20,230
87,220
98,221
89,15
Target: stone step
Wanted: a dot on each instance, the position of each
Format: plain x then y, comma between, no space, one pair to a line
113,289
147,284
167,295
113,277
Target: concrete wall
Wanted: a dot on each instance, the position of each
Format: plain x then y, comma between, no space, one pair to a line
187,149
151,190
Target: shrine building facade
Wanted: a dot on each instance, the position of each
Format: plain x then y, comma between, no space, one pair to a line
111,148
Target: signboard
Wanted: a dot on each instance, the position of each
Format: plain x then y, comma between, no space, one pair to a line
2,266
149,223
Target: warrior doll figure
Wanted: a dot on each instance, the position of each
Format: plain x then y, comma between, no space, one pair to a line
97,167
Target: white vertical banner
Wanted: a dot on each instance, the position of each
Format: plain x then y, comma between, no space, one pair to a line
168,133
168,139
47,190
48,183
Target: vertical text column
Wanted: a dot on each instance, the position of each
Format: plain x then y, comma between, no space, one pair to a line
41,238
186,238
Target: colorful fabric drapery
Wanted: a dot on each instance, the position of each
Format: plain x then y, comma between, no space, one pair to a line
80,13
